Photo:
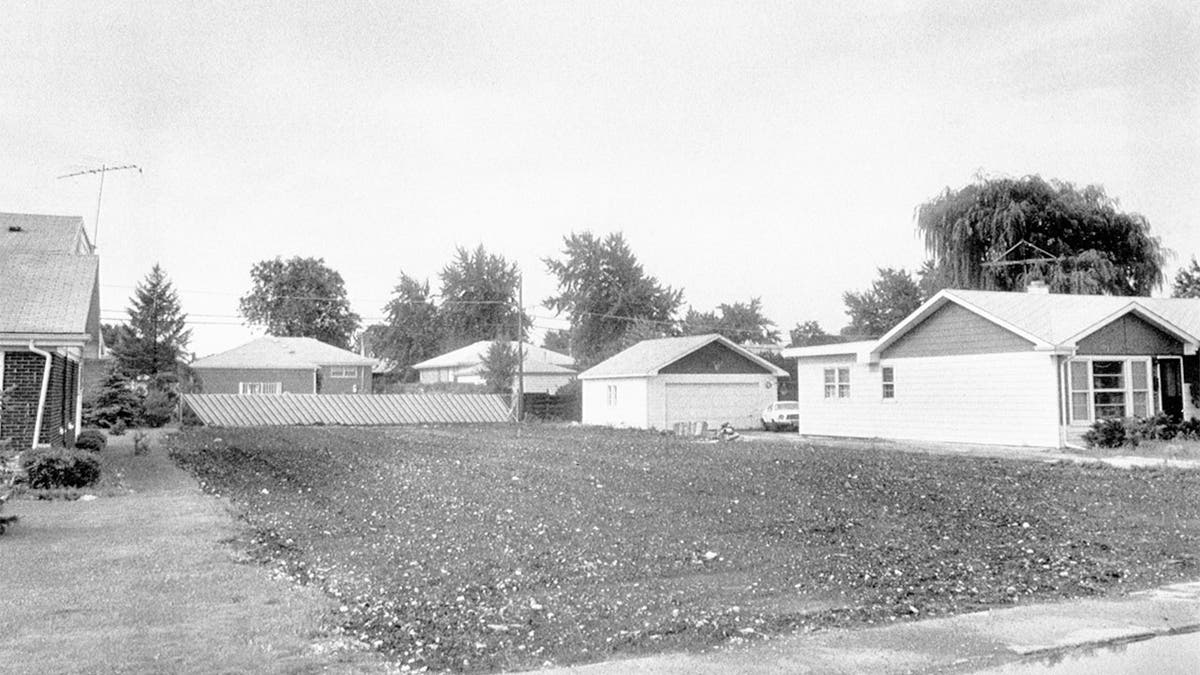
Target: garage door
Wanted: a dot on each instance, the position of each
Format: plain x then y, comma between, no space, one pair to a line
738,404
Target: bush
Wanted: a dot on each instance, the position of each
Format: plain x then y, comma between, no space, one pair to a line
61,469
1106,434
118,428
93,440
116,402
158,408
1132,431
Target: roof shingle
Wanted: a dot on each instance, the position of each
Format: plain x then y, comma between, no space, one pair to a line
46,292
285,353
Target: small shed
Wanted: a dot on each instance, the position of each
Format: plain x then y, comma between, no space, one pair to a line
658,383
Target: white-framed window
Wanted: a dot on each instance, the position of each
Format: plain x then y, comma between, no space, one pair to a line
344,372
260,387
888,374
837,383
1109,388
612,395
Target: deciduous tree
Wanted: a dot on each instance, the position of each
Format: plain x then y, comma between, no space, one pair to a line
299,297
1187,281
1089,245
605,292
741,322
893,296
810,333
412,331
479,298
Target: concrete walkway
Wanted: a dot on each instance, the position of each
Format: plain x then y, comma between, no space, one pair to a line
959,644
139,580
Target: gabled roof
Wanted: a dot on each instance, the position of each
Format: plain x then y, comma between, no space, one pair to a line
283,353
472,354
47,234
47,293
647,357
1055,321
531,366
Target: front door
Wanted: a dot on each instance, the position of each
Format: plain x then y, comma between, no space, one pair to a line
1170,387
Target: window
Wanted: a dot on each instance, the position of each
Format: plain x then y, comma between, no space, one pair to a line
889,382
343,371
612,394
1109,389
260,387
837,383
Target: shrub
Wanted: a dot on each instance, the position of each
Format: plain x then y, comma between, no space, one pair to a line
116,402
93,440
158,408
118,428
61,469
1106,434
1190,430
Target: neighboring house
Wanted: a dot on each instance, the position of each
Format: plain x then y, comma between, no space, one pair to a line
284,365
657,383
49,322
545,370
1031,369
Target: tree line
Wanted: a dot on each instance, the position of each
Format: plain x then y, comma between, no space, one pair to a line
994,234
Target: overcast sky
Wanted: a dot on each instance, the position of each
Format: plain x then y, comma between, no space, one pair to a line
745,149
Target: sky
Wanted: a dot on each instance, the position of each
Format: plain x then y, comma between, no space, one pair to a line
772,150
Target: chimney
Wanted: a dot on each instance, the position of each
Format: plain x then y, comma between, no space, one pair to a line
1037,287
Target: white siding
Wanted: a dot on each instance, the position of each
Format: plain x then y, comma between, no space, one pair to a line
999,399
544,383
629,409
436,375
735,398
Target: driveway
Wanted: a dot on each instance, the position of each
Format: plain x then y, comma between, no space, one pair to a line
147,578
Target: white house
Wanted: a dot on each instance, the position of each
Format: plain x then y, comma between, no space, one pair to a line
656,383
1032,369
545,370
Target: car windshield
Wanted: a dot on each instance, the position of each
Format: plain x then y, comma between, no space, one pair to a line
787,405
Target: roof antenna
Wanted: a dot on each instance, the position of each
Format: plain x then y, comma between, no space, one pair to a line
102,170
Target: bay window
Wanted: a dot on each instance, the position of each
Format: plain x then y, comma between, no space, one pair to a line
1109,388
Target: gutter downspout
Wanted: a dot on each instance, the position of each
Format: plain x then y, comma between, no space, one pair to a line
37,429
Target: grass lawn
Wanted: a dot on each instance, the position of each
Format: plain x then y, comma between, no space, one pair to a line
487,548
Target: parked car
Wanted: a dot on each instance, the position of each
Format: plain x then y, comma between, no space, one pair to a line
781,415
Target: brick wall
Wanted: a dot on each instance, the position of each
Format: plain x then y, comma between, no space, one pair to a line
52,415
23,379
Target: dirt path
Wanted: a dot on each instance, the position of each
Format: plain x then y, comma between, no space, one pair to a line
139,581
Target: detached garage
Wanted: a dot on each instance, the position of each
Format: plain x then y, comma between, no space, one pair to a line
658,383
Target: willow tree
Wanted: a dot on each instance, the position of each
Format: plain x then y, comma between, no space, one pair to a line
999,233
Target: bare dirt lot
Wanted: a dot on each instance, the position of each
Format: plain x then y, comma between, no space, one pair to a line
487,548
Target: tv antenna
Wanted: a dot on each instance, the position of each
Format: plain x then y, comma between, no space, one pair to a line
104,168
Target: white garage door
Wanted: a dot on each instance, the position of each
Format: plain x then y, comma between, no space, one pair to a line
736,403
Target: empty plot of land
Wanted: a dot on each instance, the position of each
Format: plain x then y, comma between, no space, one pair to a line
501,547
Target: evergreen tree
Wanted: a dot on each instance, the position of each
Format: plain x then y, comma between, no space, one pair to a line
157,332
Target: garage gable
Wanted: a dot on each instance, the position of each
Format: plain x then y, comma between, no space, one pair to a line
713,358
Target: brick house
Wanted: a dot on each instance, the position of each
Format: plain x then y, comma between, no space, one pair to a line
49,322
284,365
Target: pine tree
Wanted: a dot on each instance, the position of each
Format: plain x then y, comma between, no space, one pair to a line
157,332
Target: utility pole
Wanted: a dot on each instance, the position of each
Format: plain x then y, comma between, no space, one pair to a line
520,347
102,170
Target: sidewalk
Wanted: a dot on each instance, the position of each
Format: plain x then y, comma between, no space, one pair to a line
138,580
958,644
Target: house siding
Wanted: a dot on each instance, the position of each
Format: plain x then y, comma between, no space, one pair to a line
543,384
225,381
631,406
712,358
997,399
1129,334
952,331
